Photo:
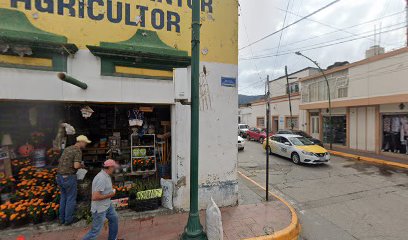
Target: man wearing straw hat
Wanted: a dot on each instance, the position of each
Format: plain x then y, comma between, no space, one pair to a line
69,163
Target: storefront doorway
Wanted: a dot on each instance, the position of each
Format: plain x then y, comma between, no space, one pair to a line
315,125
275,124
339,130
395,133
137,136
109,126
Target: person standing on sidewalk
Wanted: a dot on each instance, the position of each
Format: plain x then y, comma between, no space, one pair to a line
68,164
101,206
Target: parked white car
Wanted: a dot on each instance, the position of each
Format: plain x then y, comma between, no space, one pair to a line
241,143
242,130
297,148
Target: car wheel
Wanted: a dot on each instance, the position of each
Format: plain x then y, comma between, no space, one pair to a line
261,140
295,158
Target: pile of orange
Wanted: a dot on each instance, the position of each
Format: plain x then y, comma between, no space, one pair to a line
34,197
122,191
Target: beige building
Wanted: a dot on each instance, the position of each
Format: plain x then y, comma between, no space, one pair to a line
255,114
369,102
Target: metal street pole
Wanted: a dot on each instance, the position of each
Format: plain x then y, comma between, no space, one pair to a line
268,113
290,100
406,20
194,229
328,96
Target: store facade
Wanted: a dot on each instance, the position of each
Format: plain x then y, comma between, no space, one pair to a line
369,104
126,59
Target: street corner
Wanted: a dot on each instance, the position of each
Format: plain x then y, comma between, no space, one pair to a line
278,218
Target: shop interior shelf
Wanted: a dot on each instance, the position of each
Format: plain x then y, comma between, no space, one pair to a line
138,143
140,173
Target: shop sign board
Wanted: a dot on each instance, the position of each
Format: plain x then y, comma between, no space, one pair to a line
90,22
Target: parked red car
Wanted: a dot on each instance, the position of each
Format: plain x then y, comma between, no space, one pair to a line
256,134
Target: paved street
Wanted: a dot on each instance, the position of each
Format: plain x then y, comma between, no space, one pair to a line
342,200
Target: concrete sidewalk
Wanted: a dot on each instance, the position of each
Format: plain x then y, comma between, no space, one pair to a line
372,157
254,219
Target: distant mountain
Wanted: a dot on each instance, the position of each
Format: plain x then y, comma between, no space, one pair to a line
245,99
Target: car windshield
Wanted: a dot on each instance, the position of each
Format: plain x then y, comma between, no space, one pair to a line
301,133
243,127
284,132
300,141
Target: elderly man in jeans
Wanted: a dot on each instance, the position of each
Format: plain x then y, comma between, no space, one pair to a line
101,206
69,163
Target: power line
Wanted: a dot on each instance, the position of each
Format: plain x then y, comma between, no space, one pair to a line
247,35
322,23
334,40
281,34
280,39
349,27
295,22
318,47
254,85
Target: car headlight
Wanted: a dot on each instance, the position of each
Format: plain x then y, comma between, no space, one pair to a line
308,153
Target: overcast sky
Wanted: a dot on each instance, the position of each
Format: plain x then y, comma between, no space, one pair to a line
259,18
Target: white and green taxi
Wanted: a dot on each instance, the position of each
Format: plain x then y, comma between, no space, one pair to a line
297,148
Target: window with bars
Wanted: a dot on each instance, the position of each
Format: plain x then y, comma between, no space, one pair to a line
294,120
342,92
260,122
315,125
292,88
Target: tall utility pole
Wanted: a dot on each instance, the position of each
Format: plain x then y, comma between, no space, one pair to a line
290,100
194,229
406,17
328,97
268,113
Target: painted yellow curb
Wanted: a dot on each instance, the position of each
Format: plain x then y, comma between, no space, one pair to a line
291,232
368,159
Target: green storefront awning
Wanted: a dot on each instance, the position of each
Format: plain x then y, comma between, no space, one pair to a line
16,29
144,49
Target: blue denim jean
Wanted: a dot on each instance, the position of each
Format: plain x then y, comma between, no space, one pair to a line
98,219
68,186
